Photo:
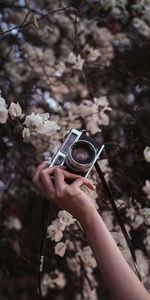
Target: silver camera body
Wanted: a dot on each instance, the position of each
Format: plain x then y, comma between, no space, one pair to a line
78,153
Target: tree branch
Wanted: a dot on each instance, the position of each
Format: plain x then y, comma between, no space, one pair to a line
31,22
25,19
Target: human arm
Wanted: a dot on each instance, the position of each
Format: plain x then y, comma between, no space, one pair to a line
117,274
119,278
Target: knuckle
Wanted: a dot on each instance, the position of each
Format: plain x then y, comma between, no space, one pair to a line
42,174
69,191
59,194
39,168
57,170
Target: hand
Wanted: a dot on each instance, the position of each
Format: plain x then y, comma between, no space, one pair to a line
66,196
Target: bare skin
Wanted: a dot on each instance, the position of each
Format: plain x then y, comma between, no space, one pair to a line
119,278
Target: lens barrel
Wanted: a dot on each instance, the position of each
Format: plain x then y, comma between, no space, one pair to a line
80,156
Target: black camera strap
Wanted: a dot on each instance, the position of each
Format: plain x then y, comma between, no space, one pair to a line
45,210
118,217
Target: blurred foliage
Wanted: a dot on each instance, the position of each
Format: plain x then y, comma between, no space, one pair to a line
113,38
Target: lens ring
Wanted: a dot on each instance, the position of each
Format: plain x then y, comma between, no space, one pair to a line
82,152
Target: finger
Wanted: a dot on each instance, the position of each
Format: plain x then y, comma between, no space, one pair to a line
59,180
60,176
46,180
38,169
82,181
50,170
36,180
70,175
76,176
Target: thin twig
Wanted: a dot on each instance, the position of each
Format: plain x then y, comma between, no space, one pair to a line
78,51
10,244
25,19
40,19
76,34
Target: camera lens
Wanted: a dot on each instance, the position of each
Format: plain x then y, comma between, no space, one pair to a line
83,152
80,156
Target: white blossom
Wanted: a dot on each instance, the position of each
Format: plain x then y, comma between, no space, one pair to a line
15,111
2,101
95,113
104,119
36,120
141,26
56,280
146,188
76,61
26,132
39,123
55,230
146,214
102,101
142,263
146,241
72,58
65,218
3,114
89,293
87,257
79,63
52,103
87,109
3,111
104,107
13,223
92,54
119,238
47,128
105,168
138,221
60,249
74,264
147,154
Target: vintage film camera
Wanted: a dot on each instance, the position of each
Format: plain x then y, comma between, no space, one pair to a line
78,153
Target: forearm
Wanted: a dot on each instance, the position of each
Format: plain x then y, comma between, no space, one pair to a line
118,276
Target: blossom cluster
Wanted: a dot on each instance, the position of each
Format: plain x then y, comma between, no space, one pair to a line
95,113
33,124
55,279
84,256
55,230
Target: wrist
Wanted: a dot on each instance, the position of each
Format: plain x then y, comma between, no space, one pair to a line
87,217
